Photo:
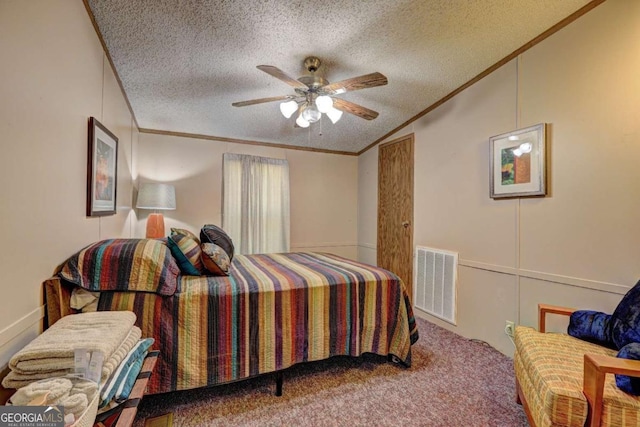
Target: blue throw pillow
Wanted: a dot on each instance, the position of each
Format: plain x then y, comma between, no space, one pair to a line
592,326
626,383
625,320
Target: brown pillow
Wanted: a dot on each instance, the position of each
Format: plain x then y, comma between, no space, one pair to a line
215,259
214,234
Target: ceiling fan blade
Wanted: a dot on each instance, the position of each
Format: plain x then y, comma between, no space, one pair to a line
354,83
262,100
279,74
358,110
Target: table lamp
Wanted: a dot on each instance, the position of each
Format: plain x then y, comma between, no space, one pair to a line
157,197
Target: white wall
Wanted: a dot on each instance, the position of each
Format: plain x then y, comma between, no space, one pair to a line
54,76
323,189
579,245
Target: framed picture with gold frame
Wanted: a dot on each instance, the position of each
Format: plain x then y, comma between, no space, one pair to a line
102,170
518,163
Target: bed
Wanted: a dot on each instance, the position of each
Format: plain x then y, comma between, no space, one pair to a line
271,312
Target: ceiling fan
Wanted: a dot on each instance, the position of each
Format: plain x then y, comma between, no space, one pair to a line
314,95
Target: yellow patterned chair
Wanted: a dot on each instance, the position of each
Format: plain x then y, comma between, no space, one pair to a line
563,381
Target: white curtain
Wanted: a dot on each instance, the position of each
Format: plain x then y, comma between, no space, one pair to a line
255,210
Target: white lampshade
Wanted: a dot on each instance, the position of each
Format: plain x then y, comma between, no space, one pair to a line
156,196
334,115
300,121
324,103
288,108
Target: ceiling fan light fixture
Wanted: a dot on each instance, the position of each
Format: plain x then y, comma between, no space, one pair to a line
324,103
311,114
334,115
300,121
314,95
288,108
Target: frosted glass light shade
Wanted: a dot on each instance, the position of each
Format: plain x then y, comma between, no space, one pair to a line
311,114
156,196
324,103
288,108
334,115
300,121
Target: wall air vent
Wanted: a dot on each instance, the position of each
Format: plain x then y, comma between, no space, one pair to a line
435,282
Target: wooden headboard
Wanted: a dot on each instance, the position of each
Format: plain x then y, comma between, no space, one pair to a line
57,297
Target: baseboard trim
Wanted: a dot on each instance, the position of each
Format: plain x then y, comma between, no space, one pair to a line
19,326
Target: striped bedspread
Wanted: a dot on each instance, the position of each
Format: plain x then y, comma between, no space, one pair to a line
273,311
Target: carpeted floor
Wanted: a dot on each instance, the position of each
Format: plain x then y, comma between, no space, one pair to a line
452,382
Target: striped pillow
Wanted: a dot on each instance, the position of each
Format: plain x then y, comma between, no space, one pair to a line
185,233
187,253
143,265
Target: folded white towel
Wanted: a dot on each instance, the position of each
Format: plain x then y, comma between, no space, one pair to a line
89,388
54,349
51,390
118,356
75,404
16,379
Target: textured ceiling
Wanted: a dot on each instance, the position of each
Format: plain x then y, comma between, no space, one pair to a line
183,63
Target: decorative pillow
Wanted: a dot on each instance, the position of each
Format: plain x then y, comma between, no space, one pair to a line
215,259
625,320
187,253
213,234
592,326
144,265
626,383
185,233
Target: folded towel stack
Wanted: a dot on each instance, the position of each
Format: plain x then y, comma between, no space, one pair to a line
118,387
52,353
72,393
45,371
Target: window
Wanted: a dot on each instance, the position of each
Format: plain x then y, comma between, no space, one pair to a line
256,203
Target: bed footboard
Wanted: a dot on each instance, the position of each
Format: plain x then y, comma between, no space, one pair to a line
57,297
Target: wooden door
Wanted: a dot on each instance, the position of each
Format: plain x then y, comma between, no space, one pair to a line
395,209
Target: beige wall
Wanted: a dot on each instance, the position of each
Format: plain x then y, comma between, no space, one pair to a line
323,189
579,245
54,76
